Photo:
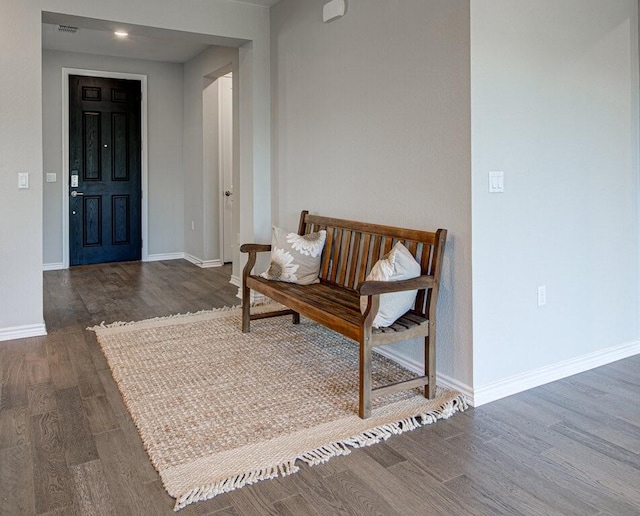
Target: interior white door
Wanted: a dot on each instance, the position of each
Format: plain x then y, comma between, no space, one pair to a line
226,164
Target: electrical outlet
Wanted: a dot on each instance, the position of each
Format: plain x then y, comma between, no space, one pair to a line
193,225
542,295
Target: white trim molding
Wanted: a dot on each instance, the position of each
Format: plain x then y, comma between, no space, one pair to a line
418,368
203,264
522,382
53,266
23,332
256,298
164,256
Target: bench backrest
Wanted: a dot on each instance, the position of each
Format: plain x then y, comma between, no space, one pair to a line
352,248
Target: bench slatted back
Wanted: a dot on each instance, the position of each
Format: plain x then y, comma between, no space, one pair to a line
352,248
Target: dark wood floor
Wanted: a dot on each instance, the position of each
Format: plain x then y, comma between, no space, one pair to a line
68,445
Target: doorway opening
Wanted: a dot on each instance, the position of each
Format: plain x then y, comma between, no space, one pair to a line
217,107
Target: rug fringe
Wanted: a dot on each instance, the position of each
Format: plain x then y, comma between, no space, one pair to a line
236,482
118,324
323,453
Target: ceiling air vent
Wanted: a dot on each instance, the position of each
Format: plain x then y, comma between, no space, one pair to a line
68,29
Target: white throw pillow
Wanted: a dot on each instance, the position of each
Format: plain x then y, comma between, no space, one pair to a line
295,258
398,264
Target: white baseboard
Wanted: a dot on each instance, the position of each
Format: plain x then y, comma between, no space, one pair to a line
418,368
22,332
164,256
52,266
256,298
522,382
203,264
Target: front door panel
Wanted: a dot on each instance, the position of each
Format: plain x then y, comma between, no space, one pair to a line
105,170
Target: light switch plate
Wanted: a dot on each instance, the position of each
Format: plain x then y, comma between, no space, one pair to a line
496,181
23,180
51,177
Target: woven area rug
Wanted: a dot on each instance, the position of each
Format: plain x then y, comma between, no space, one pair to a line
218,409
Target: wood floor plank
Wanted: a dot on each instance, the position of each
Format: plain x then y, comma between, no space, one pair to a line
227,511
83,366
14,427
310,482
487,460
616,477
41,398
112,393
437,499
53,485
60,367
295,505
92,491
430,453
612,429
14,382
37,370
598,444
358,495
101,416
125,485
478,496
249,502
78,442
585,489
136,449
384,455
16,481
394,491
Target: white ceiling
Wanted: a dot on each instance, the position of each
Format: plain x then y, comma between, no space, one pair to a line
97,37
105,43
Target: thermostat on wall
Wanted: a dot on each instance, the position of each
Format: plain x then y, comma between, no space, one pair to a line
332,10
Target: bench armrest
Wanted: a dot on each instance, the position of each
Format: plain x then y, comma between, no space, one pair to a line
371,288
255,248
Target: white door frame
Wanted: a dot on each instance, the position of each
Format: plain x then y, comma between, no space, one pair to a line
66,72
221,172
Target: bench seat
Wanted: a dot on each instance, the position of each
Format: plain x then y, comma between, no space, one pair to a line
323,302
351,249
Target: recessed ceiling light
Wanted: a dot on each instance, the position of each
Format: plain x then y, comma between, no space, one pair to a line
121,33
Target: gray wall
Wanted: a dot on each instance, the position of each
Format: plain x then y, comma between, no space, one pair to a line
371,121
555,106
21,213
165,188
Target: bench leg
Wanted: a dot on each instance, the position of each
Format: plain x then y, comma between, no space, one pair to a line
296,318
246,307
365,378
430,362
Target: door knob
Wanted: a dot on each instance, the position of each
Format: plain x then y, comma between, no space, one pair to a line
75,194
228,193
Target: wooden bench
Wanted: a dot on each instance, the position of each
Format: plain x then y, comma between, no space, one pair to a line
350,250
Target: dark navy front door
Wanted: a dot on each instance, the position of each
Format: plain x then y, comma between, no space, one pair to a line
105,185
